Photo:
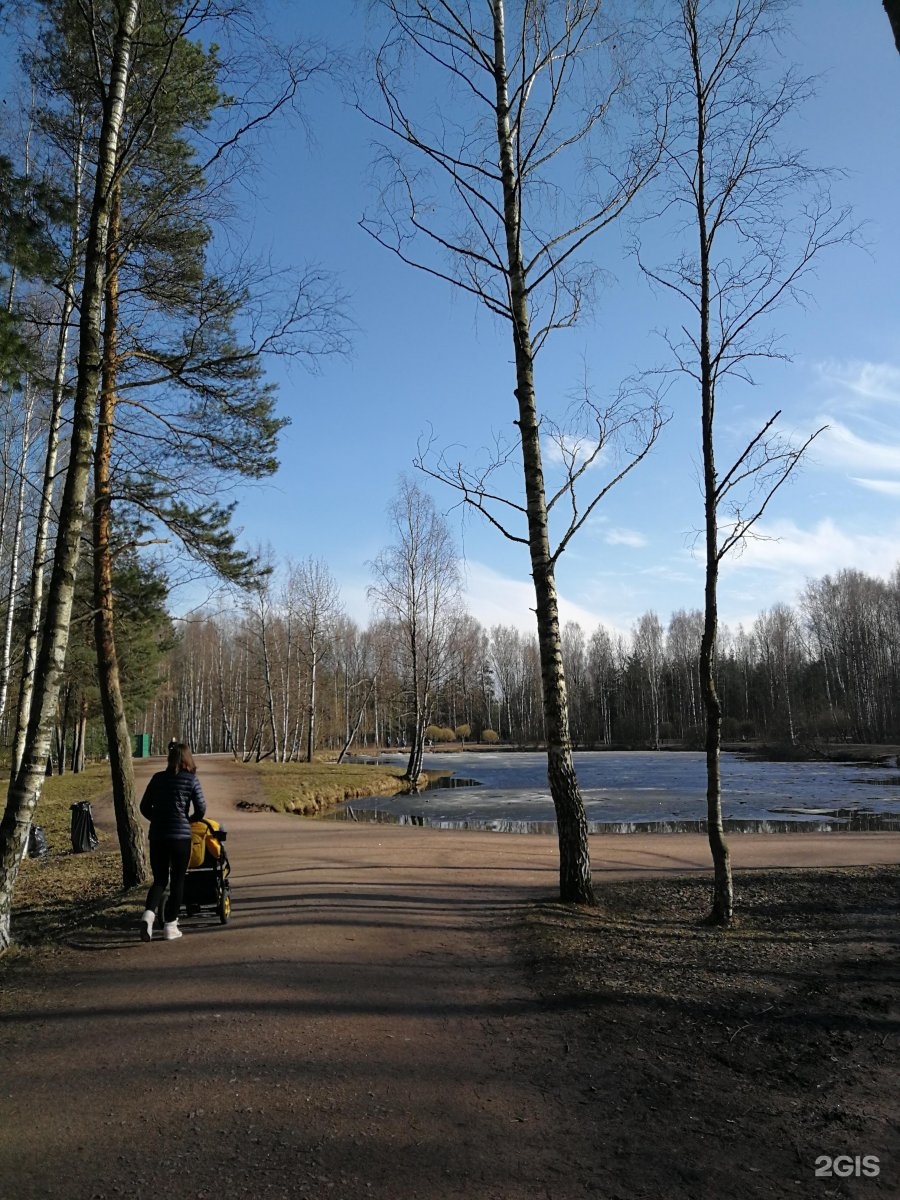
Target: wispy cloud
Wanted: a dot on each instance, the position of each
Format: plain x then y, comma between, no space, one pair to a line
866,380
778,568
887,487
569,451
624,537
841,448
796,553
861,439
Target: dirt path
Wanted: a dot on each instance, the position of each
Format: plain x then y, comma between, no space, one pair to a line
357,1030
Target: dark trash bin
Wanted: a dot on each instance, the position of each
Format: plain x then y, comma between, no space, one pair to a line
84,835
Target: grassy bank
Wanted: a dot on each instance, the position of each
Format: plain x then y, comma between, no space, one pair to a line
58,891
311,788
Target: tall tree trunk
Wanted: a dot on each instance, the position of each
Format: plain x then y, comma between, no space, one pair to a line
42,525
311,728
79,736
417,751
25,789
723,890
118,739
15,550
270,693
575,883
420,719
352,731
230,743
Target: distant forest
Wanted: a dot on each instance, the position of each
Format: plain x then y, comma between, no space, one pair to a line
826,670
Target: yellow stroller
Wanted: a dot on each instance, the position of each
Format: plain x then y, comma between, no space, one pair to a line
206,883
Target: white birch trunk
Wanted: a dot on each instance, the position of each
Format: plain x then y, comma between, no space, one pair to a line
15,551
25,788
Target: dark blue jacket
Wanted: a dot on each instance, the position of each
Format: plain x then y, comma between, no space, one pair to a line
170,803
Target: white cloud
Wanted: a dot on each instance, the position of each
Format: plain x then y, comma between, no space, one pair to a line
624,537
568,451
886,487
495,599
776,570
787,549
840,447
866,380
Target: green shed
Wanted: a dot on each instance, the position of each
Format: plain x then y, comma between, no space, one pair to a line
142,745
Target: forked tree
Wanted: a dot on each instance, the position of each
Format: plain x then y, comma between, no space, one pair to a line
416,587
483,195
759,217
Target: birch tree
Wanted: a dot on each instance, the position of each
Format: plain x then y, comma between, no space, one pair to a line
25,787
479,196
70,166
314,597
760,216
647,640
416,586
15,474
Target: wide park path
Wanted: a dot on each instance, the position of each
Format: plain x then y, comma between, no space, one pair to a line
357,1030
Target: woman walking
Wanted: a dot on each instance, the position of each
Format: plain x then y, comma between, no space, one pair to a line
172,800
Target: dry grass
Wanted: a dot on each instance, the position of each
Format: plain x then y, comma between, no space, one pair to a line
310,788
57,891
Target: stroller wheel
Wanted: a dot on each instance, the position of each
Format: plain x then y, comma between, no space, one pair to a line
224,906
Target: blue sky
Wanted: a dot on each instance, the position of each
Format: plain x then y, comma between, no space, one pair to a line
424,356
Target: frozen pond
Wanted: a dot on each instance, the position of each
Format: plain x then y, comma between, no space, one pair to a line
643,791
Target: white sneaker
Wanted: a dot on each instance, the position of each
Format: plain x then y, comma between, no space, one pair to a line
147,919
171,931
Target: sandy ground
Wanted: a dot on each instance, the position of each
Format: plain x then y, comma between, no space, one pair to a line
361,1027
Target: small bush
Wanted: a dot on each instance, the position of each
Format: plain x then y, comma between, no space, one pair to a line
491,736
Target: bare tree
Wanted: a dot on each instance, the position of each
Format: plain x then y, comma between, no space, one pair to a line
314,597
486,207
261,620
647,640
777,637
362,657
760,216
417,587
683,638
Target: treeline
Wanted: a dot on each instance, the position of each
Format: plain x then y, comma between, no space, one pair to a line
825,669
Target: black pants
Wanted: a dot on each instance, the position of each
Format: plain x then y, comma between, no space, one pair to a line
169,858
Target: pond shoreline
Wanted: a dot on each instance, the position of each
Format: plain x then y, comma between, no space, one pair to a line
630,792
874,754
